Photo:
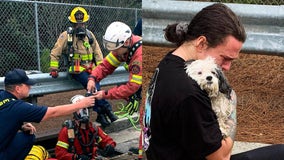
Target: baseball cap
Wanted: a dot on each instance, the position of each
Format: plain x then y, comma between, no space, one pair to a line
18,76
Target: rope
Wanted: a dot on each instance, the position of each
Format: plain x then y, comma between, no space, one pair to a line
122,113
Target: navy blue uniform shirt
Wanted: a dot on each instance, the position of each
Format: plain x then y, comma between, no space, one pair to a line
13,113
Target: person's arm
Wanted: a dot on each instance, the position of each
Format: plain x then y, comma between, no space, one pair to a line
105,139
224,152
134,80
97,51
107,67
56,52
62,110
62,145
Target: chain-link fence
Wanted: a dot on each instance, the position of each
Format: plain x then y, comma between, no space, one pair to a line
29,30
261,2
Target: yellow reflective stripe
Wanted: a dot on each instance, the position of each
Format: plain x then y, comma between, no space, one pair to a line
136,79
126,67
140,152
62,144
100,139
81,69
4,101
99,62
54,64
83,57
112,60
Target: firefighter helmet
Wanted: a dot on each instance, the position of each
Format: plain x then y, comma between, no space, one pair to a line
76,98
78,15
83,114
115,36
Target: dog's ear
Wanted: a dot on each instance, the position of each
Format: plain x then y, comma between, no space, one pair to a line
224,86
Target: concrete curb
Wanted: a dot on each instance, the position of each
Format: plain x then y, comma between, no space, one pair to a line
120,124
246,146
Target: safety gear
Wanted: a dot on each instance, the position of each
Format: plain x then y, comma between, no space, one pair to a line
107,151
80,32
54,73
115,36
101,117
81,55
111,62
78,15
83,114
76,98
109,113
82,157
37,152
133,104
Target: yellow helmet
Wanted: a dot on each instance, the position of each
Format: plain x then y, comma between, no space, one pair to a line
78,15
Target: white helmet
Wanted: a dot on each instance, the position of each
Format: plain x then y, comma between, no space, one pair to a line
76,98
115,36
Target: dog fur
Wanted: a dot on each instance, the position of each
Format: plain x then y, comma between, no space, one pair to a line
210,78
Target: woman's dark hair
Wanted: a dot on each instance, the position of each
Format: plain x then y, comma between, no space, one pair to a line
215,22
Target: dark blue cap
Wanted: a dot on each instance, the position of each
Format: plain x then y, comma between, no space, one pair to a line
18,76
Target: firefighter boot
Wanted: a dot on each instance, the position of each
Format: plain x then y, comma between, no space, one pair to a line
109,112
101,118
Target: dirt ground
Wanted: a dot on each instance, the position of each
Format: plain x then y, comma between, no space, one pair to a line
257,79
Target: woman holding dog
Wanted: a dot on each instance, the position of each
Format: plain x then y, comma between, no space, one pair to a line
179,120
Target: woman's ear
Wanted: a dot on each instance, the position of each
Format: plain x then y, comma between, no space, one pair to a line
201,43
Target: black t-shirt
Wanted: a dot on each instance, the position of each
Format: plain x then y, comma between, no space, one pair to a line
183,124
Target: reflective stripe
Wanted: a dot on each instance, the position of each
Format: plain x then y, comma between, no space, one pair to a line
112,60
4,101
99,62
54,64
140,152
84,57
126,66
79,69
136,79
99,140
62,144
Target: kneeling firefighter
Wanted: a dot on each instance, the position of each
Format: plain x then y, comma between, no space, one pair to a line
80,139
82,55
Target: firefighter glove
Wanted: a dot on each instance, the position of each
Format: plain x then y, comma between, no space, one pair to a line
108,151
133,104
54,73
82,157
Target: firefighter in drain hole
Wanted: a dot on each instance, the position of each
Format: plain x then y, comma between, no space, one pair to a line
81,52
80,139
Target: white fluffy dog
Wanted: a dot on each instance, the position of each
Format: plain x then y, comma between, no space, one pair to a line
211,79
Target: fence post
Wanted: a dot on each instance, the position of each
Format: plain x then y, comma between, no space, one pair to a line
37,36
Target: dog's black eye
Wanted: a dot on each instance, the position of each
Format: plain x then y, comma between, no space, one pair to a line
199,72
214,73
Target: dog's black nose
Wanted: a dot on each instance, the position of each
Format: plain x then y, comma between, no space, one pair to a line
209,78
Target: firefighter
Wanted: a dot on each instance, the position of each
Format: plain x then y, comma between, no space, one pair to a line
80,139
125,47
83,55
